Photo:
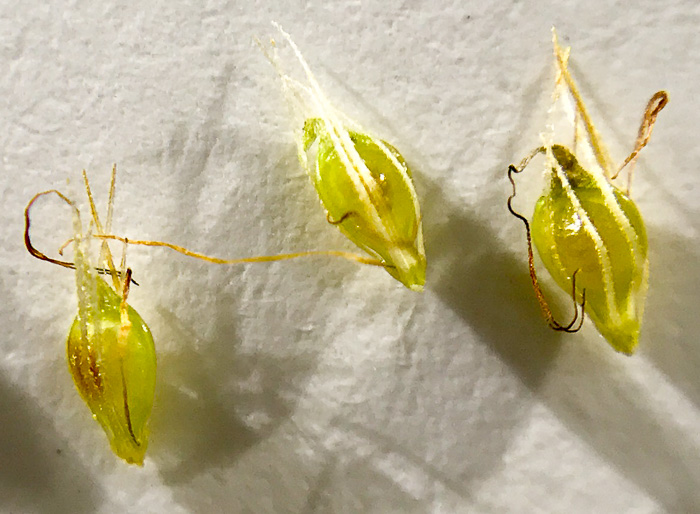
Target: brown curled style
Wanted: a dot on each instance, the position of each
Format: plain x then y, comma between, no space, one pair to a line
656,103
43,257
572,327
27,223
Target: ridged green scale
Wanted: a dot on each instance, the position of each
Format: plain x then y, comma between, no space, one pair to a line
116,378
382,216
583,222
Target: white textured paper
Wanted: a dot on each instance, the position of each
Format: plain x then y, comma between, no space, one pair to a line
320,385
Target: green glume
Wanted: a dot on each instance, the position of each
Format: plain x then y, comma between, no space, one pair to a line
587,231
113,364
363,182
587,225
366,188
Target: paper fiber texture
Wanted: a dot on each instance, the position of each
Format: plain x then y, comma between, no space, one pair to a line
321,385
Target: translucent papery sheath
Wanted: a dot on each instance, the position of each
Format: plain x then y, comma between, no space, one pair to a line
363,182
584,223
112,359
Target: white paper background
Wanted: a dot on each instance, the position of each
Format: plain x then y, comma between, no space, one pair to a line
320,385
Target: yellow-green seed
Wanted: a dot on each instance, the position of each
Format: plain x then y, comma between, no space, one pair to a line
363,182
113,365
367,190
586,224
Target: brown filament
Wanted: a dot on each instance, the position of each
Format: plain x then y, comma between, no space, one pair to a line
125,291
264,258
43,257
27,223
544,305
654,106
118,274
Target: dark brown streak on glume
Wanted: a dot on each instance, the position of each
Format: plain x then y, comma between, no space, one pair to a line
86,373
95,372
341,219
126,404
